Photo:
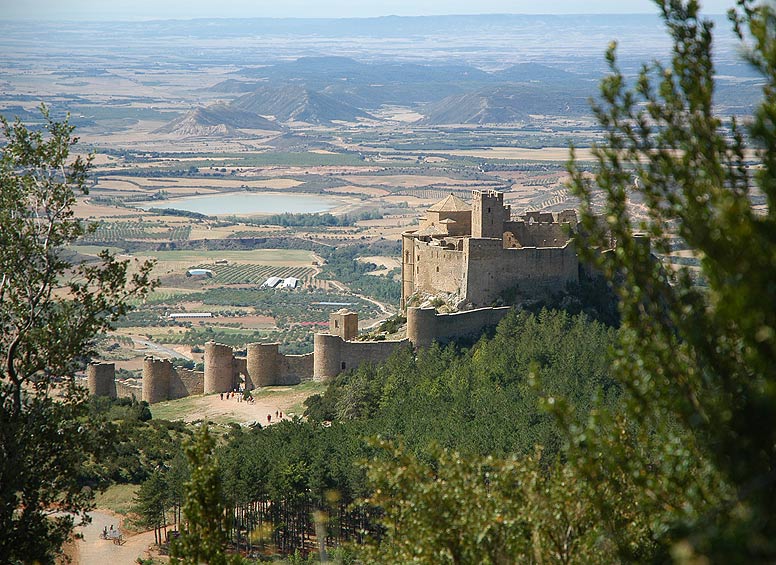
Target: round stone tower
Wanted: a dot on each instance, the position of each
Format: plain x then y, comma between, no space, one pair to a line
156,379
421,326
219,368
101,379
327,360
263,363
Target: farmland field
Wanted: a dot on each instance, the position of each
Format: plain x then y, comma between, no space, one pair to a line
253,274
271,257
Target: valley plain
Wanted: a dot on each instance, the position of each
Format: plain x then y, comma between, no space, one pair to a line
370,121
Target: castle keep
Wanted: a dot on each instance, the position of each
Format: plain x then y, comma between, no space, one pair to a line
475,253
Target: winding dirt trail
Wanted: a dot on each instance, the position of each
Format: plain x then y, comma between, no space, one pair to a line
92,550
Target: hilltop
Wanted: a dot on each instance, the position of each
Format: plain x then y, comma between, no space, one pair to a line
217,120
294,103
504,104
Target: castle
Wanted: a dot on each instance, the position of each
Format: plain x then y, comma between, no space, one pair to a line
472,254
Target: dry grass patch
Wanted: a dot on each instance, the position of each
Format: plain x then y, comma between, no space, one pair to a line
117,498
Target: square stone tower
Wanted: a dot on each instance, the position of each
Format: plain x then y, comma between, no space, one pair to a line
344,324
489,214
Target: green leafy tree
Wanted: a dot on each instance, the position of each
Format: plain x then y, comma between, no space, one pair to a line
695,451
205,536
151,503
459,509
50,312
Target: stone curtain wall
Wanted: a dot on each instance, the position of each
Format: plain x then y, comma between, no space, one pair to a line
185,382
536,235
333,355
162,381
438,269
295,369
126,389
493,269
424,325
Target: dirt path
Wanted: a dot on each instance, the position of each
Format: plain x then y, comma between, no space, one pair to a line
270,401
95,551
213,408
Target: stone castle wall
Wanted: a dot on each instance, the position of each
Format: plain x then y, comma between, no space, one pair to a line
333,355
101,379
126,389
295,369
408,254
156,379
424,325
493,269
266,366
220,368
534,254
162,381
344,324
185,382
438,268
488,213
522,234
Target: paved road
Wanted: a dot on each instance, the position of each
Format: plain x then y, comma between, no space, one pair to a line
160,348
387,312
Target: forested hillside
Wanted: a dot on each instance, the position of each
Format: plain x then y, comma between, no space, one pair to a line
479,401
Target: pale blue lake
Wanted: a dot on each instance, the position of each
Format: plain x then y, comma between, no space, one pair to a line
247,203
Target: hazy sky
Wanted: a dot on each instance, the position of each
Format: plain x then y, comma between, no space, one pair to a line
184,9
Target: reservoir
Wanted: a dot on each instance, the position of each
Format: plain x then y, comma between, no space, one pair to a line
247,204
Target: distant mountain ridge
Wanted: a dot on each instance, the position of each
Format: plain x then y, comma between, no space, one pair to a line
325,90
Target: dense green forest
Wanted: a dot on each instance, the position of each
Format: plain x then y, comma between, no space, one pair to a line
482,400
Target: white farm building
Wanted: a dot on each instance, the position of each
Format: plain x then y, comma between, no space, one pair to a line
278,282
272,282
199,273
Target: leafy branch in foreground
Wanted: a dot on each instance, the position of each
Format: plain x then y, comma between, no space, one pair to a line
50,313
697,449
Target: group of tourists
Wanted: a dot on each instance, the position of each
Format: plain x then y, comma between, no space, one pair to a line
278,416
242,396
113,535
